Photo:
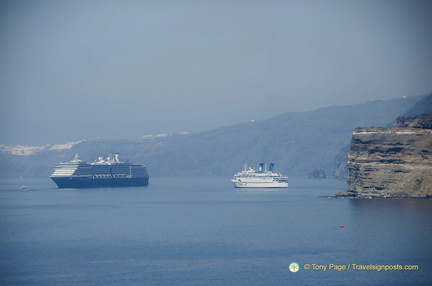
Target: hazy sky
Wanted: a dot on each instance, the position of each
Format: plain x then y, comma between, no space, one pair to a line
72,70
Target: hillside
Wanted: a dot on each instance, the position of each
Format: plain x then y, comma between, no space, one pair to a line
298,142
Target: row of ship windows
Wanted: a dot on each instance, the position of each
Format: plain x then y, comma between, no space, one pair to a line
86,172
100,171
253,176
64,171
124,167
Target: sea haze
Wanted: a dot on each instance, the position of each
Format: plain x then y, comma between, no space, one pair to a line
202,231
298,142
85,69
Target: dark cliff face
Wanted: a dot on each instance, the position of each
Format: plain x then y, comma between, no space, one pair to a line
423,121
394,162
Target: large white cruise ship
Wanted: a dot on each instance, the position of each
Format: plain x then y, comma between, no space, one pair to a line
263,178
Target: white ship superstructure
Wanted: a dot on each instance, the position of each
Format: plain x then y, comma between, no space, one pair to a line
263,178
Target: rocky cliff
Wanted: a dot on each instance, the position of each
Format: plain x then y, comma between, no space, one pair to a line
392,163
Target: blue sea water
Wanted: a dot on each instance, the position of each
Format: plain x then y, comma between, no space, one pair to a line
202,231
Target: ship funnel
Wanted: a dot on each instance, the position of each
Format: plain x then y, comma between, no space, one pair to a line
261,168
116,157
271,167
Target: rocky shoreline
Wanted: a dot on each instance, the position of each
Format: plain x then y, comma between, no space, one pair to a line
391,163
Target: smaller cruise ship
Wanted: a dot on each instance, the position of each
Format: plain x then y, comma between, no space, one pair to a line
263,178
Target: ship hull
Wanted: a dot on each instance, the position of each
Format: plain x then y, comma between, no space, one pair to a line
245,184
89,182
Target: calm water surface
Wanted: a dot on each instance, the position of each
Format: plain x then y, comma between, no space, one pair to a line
202,231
